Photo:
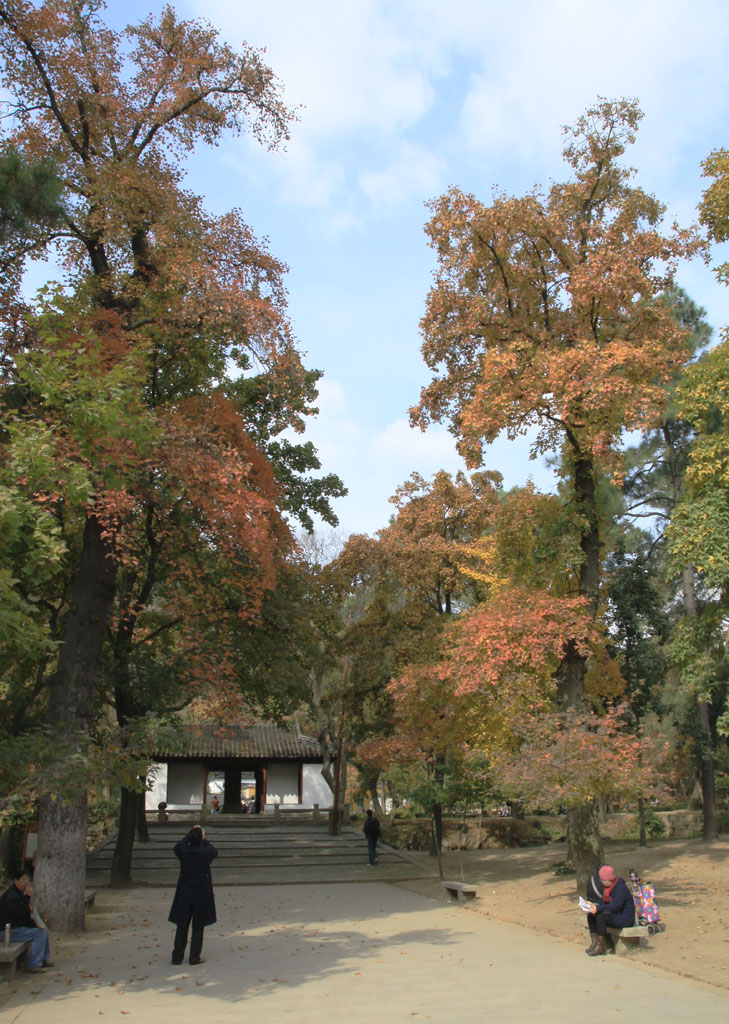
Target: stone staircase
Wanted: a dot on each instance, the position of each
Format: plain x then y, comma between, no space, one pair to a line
260,851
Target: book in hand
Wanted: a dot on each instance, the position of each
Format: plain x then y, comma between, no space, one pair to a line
584,905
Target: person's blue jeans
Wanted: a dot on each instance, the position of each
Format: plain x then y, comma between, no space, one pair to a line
40,944
372,849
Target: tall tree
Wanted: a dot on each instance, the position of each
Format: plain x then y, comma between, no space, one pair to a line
654,487
181,295
698,536
543,317
413,585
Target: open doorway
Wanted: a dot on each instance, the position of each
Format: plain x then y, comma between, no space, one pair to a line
250,790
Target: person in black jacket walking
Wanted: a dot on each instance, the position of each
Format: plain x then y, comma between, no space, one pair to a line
194,900
372,831
613,906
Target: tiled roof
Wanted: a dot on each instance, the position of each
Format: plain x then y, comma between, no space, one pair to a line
257,741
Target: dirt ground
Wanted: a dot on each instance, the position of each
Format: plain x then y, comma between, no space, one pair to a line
689,875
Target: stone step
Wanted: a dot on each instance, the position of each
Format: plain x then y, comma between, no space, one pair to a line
249,856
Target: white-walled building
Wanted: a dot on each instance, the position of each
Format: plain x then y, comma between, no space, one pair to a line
259,767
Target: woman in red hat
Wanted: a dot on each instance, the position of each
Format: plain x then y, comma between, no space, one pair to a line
613,906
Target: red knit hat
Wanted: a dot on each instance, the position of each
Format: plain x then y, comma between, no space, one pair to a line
607,874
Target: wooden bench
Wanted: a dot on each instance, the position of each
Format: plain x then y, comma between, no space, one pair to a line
628,940
9,958
460,891
89,898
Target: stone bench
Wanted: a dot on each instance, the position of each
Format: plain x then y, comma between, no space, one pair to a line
89,898
9,956
628,940
463,892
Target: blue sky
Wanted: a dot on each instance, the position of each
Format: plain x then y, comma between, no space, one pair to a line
400,99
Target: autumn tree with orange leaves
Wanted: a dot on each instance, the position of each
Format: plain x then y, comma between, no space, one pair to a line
176,316
410,584
543,318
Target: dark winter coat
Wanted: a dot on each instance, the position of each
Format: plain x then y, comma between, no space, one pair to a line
371,827
621,906
15,909
195,885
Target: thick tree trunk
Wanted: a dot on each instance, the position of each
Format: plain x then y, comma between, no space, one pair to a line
694,800
121,861
707,762
60,875
142,830
377,808
586,852
585,845
708,774
61,861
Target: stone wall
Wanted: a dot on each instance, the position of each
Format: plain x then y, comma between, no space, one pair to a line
678,825
503,833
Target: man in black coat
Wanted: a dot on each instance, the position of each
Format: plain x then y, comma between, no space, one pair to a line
16,909
372,831
194,899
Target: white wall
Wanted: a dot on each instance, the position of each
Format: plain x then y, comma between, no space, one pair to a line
158,776
185,783
282,784
314,788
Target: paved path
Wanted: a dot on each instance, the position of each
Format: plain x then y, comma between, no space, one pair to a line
333,952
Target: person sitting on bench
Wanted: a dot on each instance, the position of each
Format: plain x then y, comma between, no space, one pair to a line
16,909
613,906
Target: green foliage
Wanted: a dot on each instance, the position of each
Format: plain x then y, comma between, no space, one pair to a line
29,194
38,763
655,827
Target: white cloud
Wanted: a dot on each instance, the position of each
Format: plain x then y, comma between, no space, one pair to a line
368,75
347,65
411,449
413,173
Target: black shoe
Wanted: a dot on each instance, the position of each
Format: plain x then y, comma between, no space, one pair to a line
35,970
200,960
176,962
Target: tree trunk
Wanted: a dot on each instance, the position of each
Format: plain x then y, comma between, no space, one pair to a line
335,818
708,774
377,808
61,862
436,812
586,851
707,762
643,841
142,830
694,801
585,845
601,810
121,861
436,835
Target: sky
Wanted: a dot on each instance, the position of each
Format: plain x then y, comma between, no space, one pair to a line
399,99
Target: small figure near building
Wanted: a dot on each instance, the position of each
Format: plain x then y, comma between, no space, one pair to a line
17,910
194,901
215,806
373,832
